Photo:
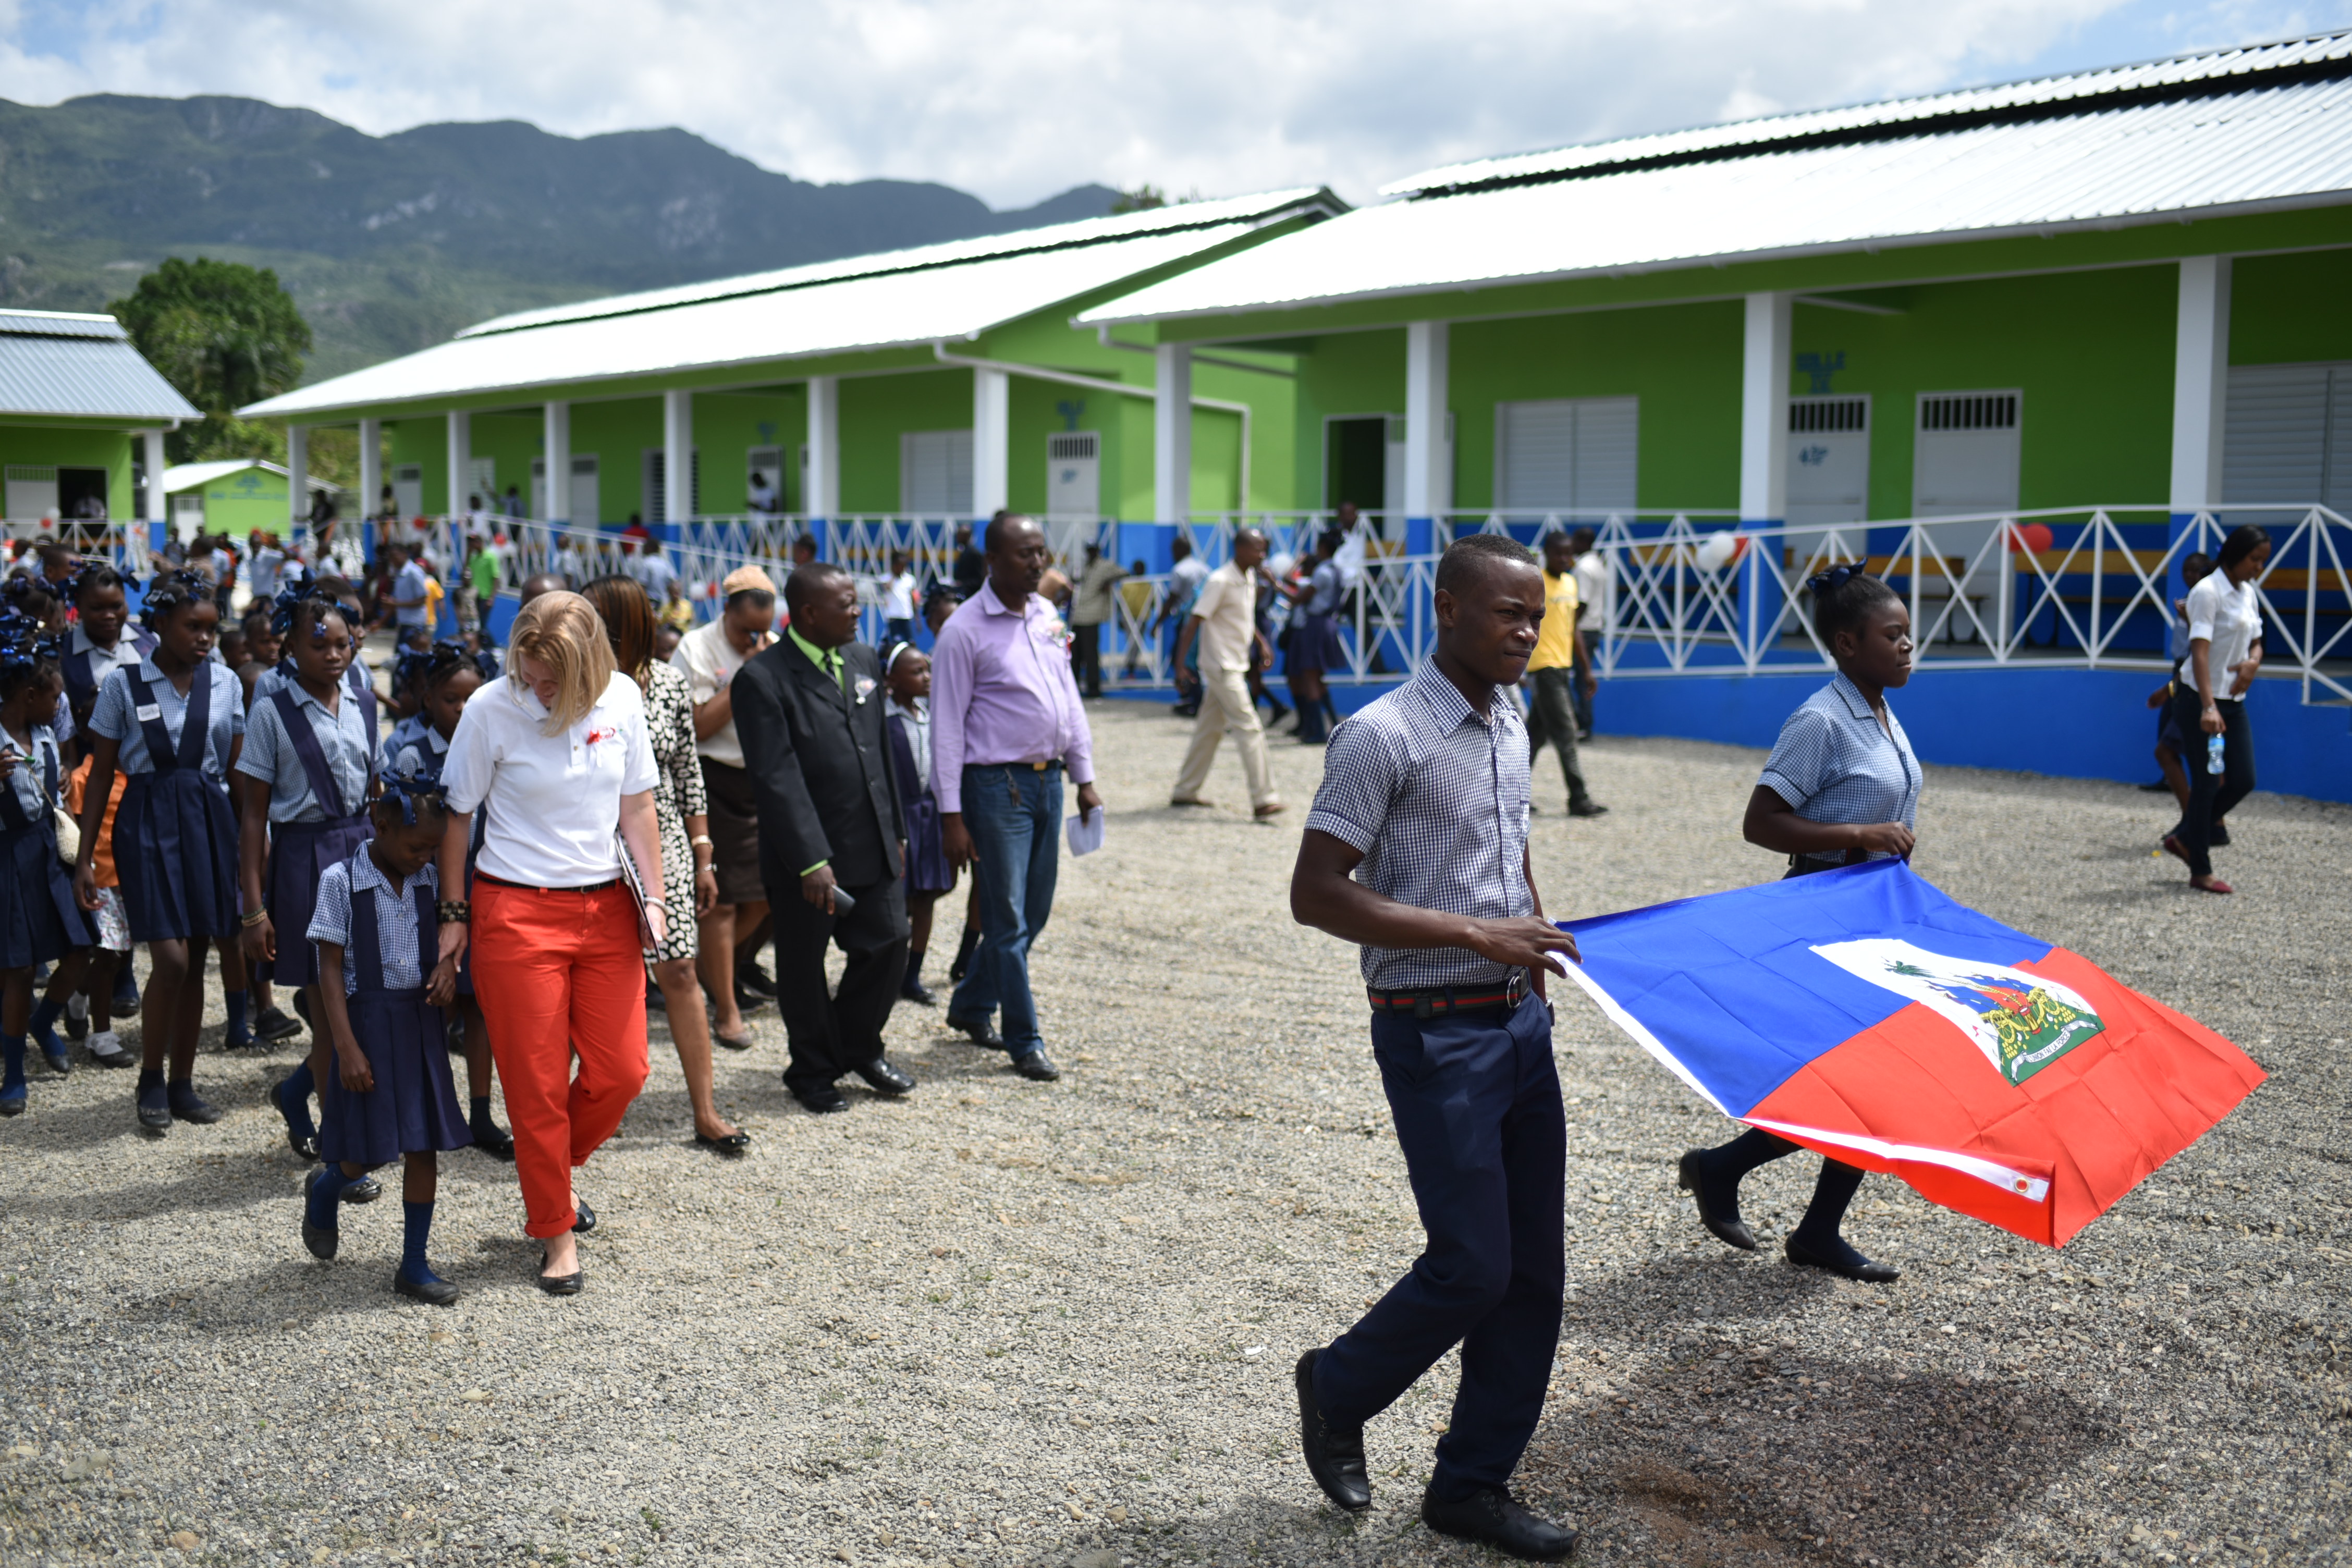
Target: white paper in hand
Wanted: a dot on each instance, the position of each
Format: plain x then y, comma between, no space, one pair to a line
1085,832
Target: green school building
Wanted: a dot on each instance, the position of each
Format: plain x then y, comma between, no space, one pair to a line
83,418
234,496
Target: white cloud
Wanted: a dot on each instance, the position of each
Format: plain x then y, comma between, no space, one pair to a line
1015,101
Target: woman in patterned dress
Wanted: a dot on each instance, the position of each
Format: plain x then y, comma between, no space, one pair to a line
679,803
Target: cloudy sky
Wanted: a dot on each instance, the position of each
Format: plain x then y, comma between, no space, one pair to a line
1015,101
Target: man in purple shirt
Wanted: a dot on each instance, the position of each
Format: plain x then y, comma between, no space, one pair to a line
1006,723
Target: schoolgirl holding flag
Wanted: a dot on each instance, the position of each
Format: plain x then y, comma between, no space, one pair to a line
386,1094
174,723
39,921
310,752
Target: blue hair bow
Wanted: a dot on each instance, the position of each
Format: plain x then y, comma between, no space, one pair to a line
1831,581
409,788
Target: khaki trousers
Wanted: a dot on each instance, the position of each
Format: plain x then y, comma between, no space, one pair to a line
1225,706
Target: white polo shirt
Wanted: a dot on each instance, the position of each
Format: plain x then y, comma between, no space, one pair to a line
551,802
2229,617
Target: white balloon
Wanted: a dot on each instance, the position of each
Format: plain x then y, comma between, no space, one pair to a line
1717,550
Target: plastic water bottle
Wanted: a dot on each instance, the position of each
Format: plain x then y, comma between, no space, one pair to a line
2212,753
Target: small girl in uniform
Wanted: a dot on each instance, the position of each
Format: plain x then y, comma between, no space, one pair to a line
386,1094
907,675
450,676
39,921
310,757
175,723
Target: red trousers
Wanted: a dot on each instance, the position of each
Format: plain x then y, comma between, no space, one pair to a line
559,973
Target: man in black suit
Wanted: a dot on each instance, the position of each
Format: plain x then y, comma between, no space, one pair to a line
808,713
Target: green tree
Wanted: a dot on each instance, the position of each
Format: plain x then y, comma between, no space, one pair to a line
1143,198
225,334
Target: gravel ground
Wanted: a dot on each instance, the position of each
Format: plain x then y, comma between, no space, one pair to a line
1007,1324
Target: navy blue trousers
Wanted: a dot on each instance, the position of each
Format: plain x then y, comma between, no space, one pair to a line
1477,1109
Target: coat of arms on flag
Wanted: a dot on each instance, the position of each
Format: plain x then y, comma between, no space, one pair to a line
1862,1012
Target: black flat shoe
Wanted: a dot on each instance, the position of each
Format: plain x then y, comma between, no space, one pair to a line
59,1064
154,1111
885,1077
825,1102
13,1106
752,978
557,1284
1490,1516
921,996
434,1292
733,1146
751,1001
186,1105
1719,1213
495,1142
982,1032
1036,1067
274,1025
321,1243
362,1190
583,1217
1855,1266
1585,809
1335,1454
305,1144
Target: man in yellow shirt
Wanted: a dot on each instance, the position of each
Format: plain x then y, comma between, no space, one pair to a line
1560,658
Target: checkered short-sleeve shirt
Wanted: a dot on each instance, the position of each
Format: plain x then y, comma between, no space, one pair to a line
1833,764
395,919
1435,797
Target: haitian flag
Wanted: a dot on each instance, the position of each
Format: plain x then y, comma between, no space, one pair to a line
1865,1014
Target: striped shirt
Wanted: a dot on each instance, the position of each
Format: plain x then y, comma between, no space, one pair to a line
1435,798
1835,764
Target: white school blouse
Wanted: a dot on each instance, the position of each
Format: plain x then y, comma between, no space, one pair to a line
551,803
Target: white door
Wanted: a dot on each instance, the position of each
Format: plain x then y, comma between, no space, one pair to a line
1965,459
1074,476
482,479
2287,434
408,489
934,473
1829,474
1566,453
764,467
584,512
32,492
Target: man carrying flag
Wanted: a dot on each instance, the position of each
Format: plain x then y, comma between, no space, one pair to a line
1416,850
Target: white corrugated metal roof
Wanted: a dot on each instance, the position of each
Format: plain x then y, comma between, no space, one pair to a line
2139,161
67,365
900,298
2043,98
183,477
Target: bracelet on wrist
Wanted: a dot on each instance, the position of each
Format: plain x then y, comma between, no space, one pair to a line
255,919
699,839
459,911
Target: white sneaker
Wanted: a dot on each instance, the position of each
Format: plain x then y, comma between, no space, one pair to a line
106,1051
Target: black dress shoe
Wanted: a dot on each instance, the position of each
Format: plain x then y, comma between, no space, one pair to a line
752,978
1586,809
274,1025
432,1293
921,996
1335,1454
751,1001
495,1141
1489,1515
732,1145
885,1077
1036,1067
583,1217
321,1243
187,1106
1720,1212
362,1190
1853,1266
557,1284
823,1101
154,1111
982,1032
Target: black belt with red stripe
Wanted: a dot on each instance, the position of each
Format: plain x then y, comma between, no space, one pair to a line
1428,1001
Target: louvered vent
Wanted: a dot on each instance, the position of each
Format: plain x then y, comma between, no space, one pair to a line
1075,444
1811,415
1969,411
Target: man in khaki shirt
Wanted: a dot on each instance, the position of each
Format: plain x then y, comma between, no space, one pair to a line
1224,618
1561,667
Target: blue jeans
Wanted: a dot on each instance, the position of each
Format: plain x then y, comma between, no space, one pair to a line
1013,814
1478,1107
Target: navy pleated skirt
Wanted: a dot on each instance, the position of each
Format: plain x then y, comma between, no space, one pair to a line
927,870
413,1106
40,922
300,854
1314,645
175,852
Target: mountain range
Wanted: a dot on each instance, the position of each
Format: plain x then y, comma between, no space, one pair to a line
391,243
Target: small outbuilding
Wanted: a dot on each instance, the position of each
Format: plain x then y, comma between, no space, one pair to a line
234,496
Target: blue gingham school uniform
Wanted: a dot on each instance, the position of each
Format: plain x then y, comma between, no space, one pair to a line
426,754
390,939
40,920
174,834
301,852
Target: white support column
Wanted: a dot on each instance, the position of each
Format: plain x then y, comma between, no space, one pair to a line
159,512
991,442
1428,455
678,457
821,484
371,472
461,459
557,458
2201,383
1172,433
298,481
1764,411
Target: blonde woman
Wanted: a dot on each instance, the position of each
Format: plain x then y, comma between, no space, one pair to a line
557,757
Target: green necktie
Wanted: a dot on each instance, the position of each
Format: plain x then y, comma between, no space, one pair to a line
832,667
